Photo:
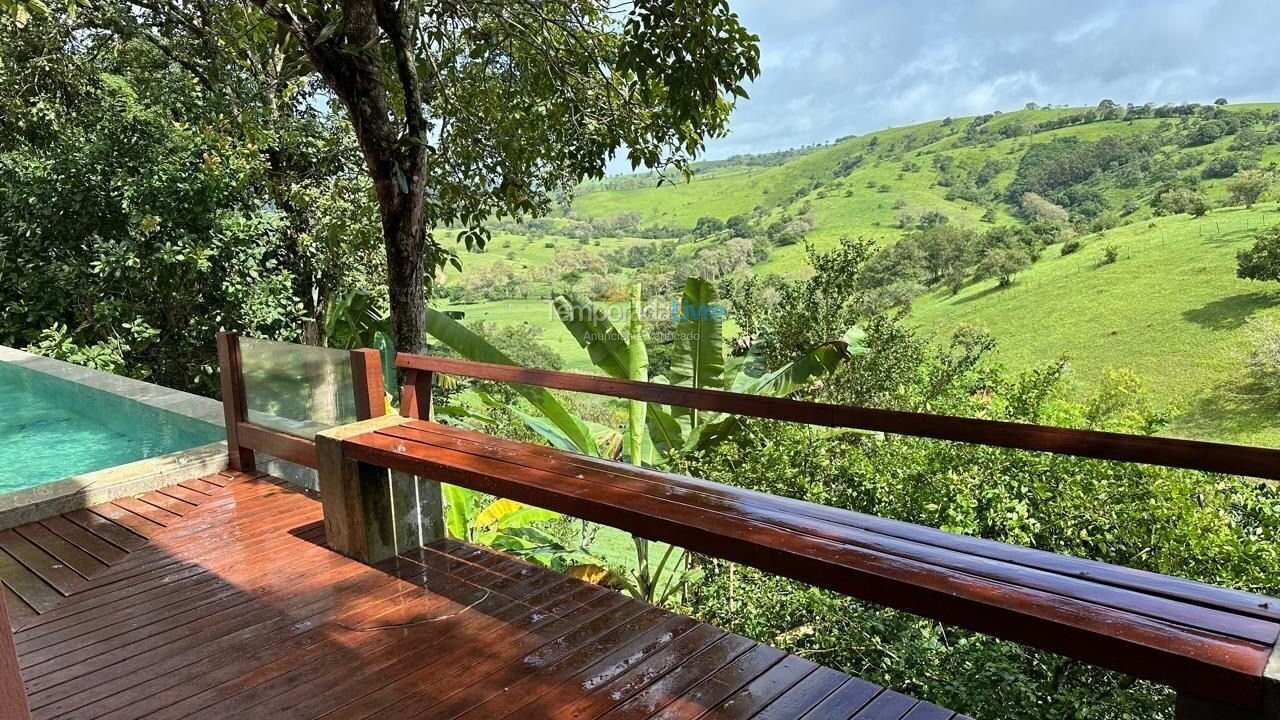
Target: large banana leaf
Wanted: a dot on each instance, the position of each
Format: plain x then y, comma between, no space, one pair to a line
637,369
665,433
793,376
473,347
697,359
602,341
458,501
697,356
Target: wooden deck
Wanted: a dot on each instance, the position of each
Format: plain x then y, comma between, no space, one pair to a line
233,607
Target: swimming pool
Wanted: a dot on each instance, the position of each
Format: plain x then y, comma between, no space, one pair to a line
51,428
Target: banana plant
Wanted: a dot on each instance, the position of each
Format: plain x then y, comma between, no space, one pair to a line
655,433
517,529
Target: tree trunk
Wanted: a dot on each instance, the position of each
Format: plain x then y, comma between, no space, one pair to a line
403,235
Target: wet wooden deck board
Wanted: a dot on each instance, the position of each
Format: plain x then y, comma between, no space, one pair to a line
237,609
43,563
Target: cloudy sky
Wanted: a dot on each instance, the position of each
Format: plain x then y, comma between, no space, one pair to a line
838,67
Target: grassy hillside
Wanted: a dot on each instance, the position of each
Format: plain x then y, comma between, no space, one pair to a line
897,175
1170,308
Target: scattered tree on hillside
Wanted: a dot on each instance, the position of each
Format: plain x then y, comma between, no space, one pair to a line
707,226
739,226
1246,187
1206,132
1220,101
1222,167
1036,207
1002,264
1175,200
1261,261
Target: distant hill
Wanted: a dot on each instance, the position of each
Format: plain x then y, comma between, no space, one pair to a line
1169,308
860,186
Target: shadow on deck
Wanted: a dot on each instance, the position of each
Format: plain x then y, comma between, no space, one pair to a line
233,607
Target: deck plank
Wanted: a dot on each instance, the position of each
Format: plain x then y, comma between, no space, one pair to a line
234,608
86,565
154,513
45,566
86,540
104,528
27,585
122,517
20,613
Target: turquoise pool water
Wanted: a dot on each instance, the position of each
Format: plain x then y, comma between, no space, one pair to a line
51,428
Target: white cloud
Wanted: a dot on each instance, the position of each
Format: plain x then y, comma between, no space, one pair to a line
837,67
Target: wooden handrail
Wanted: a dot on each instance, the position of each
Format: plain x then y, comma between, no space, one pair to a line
1168,452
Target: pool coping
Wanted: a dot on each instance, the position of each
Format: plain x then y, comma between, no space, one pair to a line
92,488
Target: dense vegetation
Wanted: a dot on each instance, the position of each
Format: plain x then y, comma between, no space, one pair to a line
154,190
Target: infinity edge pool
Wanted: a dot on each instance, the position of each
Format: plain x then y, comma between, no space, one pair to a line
90,488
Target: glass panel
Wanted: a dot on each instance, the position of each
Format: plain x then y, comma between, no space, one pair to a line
297,389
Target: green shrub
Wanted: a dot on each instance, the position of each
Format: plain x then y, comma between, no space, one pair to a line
1110,254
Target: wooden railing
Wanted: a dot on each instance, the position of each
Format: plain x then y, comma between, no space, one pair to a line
1211,644
245,437
1169,452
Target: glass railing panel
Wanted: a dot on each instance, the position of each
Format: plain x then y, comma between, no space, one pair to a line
297,389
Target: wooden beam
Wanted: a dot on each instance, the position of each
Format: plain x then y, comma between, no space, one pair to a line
1169,452
13,693
366,375
282,445
234,408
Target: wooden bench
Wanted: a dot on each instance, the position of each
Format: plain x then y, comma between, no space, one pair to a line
1206,642
1215,646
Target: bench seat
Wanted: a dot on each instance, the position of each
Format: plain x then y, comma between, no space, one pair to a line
1204,641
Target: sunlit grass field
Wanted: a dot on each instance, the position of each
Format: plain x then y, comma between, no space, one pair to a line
1171,309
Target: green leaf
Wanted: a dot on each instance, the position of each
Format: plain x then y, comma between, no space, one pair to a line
325,33
637,369
795,375
458,502
473,347
697,358
594,333
664,431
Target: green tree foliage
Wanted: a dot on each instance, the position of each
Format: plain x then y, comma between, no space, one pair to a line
707,226
1206,132
739,226
122,230
1176,199
1002,263
484,103
1261,261
1246,187
1053,168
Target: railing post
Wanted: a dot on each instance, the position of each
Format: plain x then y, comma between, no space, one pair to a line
13,693
234,409
366,374
415,395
